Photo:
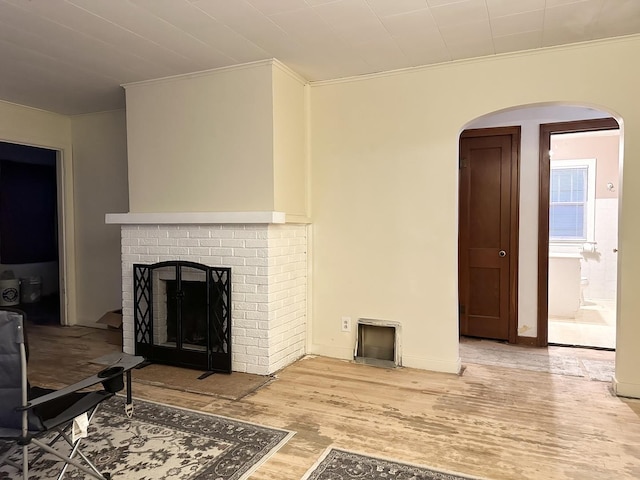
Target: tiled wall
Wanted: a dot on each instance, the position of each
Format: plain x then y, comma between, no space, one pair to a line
601,268
269,283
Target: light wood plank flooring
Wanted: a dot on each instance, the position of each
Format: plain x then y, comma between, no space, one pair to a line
493,422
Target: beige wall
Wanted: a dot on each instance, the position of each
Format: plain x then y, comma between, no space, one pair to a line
100,185
29,126
289,142
384,189
604,148
202,142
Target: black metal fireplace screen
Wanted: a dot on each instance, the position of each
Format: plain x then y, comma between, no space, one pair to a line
182,314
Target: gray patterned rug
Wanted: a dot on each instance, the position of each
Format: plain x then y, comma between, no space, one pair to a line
162,442
338,464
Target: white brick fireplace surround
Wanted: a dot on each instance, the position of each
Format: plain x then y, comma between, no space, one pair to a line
268,272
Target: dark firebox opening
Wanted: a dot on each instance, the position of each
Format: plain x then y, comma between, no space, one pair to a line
194,312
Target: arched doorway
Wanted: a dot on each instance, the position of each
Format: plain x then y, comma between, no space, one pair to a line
531,295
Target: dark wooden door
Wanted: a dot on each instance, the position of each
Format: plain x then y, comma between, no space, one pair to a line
488,233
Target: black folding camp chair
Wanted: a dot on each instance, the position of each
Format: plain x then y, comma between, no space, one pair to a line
42,418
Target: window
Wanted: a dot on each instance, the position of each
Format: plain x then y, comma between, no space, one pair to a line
571,203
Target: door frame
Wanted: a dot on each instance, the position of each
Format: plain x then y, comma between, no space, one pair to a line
515,133
546,130
65,226
64,273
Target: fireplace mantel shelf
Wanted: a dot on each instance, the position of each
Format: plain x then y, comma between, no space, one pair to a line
196,218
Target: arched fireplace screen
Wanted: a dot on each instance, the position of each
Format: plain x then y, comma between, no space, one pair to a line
182,314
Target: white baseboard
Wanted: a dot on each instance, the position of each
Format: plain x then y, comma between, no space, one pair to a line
433,364
343,353
423,363
626,389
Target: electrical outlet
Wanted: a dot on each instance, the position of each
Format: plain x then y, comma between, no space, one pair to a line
346,324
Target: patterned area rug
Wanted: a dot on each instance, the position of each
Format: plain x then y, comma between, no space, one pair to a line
162,442
338,464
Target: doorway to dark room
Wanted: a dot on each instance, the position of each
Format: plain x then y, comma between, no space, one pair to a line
29,246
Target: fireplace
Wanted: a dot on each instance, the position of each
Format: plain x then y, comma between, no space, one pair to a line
268,263
182,314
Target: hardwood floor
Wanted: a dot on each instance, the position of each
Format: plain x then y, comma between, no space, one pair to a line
492,422
576,362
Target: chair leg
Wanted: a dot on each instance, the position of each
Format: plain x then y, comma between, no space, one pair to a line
76,449
38,455
47,447
94,473
25,462
5,457
15,465
5,460
66,465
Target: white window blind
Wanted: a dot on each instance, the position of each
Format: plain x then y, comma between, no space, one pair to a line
571,203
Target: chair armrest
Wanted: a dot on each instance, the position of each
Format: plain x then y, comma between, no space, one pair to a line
127,362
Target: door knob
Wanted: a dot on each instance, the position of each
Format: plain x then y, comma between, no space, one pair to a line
615,250
502,253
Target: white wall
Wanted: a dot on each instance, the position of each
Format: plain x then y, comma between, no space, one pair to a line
29,126
384,189
100,185
601,269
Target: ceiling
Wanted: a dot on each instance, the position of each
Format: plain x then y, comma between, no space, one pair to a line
71,56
